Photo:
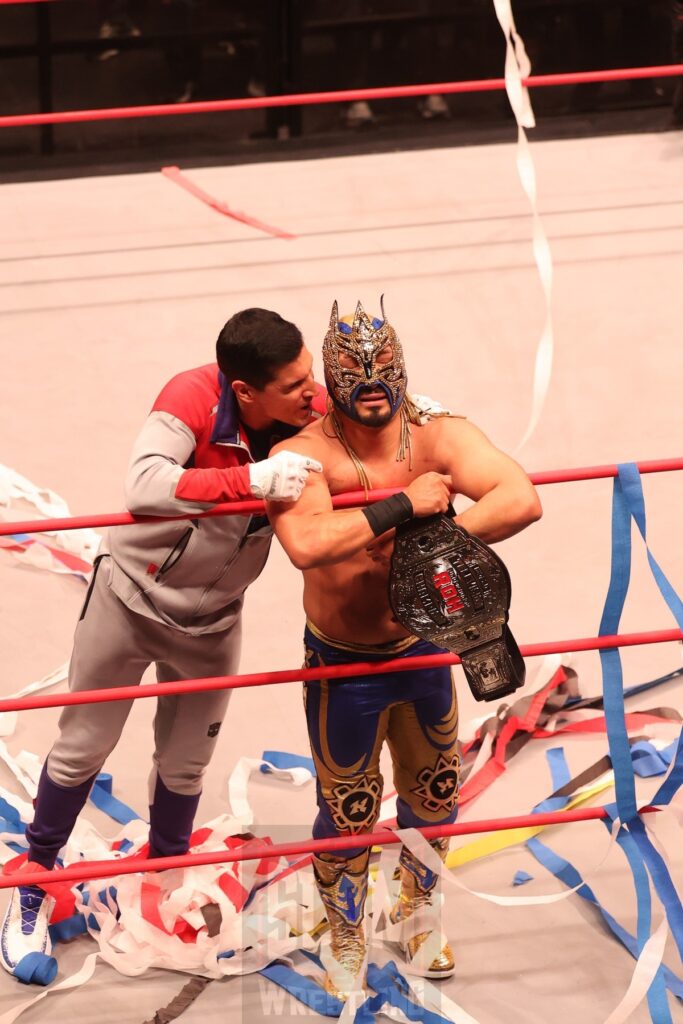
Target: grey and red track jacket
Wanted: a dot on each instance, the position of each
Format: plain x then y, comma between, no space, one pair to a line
190,455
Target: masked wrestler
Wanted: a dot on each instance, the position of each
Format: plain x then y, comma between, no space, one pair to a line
373,435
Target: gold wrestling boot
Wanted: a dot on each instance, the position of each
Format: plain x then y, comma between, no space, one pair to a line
343,888
417,887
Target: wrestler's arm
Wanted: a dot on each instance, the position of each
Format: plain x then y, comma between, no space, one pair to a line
311,531
314,534
505,500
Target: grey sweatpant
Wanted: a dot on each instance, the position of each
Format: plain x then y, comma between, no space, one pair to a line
112,647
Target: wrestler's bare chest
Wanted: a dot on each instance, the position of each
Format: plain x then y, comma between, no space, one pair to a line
348,600
384,469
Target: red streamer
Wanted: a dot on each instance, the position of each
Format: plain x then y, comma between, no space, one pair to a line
175,175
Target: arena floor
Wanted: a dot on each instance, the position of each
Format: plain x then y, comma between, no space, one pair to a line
110,285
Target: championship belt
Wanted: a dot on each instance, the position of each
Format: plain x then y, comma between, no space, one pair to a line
452,589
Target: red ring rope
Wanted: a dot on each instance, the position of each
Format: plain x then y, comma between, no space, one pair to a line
236,682
256,851
338,96
349,500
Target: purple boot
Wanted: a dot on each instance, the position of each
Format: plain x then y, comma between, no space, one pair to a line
56,810
171,818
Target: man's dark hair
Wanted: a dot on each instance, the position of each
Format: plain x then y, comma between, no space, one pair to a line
254,344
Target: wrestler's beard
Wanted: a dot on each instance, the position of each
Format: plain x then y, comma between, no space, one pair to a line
380,417
372,408
374,416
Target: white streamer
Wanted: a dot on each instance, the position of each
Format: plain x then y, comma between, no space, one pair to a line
23,778
518,67
59,675
421,849
82,543
238,784
8,719
131,943
73,981
438,1000
25,809
647,966
422,992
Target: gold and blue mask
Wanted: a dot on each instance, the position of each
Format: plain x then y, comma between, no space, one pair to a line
363,338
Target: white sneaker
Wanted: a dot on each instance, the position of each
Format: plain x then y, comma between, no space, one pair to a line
111,30
25,928
358,115
187,94
107,31
255,87
434,107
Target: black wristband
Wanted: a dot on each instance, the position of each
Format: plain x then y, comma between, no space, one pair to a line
385,515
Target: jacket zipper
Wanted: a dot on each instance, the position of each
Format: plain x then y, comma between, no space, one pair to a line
91,586
174,554
242,446
243,540
225,568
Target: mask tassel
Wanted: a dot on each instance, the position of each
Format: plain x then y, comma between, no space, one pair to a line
405,446
409,414
360,468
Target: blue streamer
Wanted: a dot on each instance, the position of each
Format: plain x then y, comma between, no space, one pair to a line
12,828
68,928
613,683
388,983
633,691
559,769
559,773
304,989
10,814
666,890
392,988
632,490
628,502
101,796
656,994
568,874
670,786
648,761
36,969
281,759
17,847
111,890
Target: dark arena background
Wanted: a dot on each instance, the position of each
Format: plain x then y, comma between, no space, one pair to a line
127,53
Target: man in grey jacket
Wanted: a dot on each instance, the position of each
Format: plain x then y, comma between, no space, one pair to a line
171,593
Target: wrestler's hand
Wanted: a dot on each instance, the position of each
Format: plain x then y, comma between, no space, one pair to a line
430,493
282,477
379,550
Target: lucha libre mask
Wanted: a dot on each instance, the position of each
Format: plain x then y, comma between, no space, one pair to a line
363,340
